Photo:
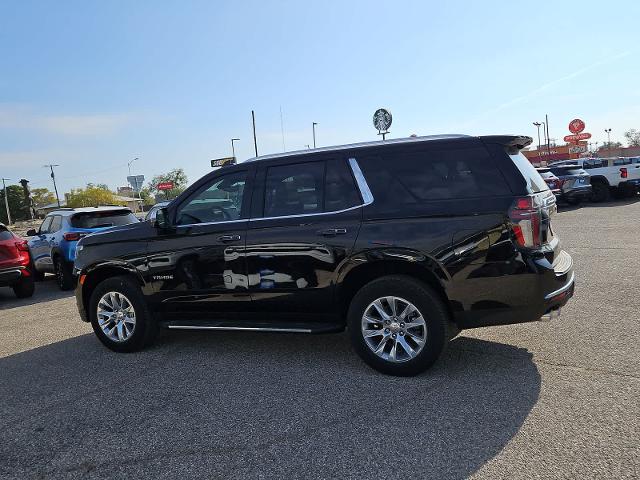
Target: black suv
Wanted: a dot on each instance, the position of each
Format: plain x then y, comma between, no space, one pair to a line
404,242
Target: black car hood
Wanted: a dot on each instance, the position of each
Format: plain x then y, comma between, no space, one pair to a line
133,231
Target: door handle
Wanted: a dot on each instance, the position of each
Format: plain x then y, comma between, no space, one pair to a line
229,238
330,232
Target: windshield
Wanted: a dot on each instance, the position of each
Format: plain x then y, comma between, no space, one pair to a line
102,219
535,183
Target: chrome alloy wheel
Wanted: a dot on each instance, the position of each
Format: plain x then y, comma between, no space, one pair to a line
116,316
394,329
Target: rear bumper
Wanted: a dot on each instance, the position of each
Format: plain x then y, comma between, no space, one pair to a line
10,276
582,193
538,289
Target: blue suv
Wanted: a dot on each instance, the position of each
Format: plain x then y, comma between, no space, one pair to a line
53,245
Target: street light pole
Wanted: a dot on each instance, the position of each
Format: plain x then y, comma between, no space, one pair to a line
6,200
233,150
608,131
538,125
53,177
314,134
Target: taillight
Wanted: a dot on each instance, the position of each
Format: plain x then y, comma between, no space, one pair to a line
73,236
23,252
623,172
526,216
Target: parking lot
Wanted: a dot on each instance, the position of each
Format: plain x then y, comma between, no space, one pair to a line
540,400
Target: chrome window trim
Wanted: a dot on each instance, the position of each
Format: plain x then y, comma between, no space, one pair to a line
361,182
363,186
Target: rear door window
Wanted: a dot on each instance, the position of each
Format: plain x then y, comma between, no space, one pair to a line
295,189
56,224
89,220
340,187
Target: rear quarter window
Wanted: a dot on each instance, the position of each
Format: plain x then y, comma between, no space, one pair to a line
432,175
535,183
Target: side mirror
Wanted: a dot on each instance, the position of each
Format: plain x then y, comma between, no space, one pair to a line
162,219
32,232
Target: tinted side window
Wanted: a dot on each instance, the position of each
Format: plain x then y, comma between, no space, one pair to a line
56,224
340,188
434,175
44,228
622,161
221,201
294,189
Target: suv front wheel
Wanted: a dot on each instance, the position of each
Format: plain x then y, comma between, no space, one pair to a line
398,325
119,315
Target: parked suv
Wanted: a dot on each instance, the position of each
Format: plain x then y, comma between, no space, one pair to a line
574,183
14,264
551,180
403,242
53,245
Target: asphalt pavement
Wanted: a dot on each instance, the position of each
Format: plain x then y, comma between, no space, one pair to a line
539,400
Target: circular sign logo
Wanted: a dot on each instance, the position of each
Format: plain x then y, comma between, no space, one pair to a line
382,120
576,125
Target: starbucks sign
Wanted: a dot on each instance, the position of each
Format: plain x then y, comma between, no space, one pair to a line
382,121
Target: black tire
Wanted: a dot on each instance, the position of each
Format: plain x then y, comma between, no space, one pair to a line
438,326
24,288
64,274
145,329
600,192
37,276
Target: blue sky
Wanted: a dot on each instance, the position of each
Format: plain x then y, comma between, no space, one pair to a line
91,85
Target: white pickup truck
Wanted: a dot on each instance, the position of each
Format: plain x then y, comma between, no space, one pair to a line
617,176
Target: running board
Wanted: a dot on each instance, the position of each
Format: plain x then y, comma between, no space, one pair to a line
255,326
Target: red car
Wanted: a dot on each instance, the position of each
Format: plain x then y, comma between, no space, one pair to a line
14,264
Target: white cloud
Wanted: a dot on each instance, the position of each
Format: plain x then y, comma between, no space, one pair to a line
71,125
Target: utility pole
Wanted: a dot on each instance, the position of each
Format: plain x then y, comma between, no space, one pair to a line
233,150
6,200
53,177
546,118
255,141
314,134
135,206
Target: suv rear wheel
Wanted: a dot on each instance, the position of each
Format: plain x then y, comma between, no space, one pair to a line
398,325
119,315
64,273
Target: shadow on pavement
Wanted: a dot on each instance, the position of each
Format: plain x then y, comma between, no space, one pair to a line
237,405
46,291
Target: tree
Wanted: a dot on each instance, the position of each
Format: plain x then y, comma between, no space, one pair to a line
176,176
146,196
91,196
633,137
42,196
15,195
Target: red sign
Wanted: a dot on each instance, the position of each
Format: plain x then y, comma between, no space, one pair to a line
577,137
165,186
576,126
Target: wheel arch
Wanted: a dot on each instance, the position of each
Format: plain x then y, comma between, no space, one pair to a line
599,179
363,272
97,273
